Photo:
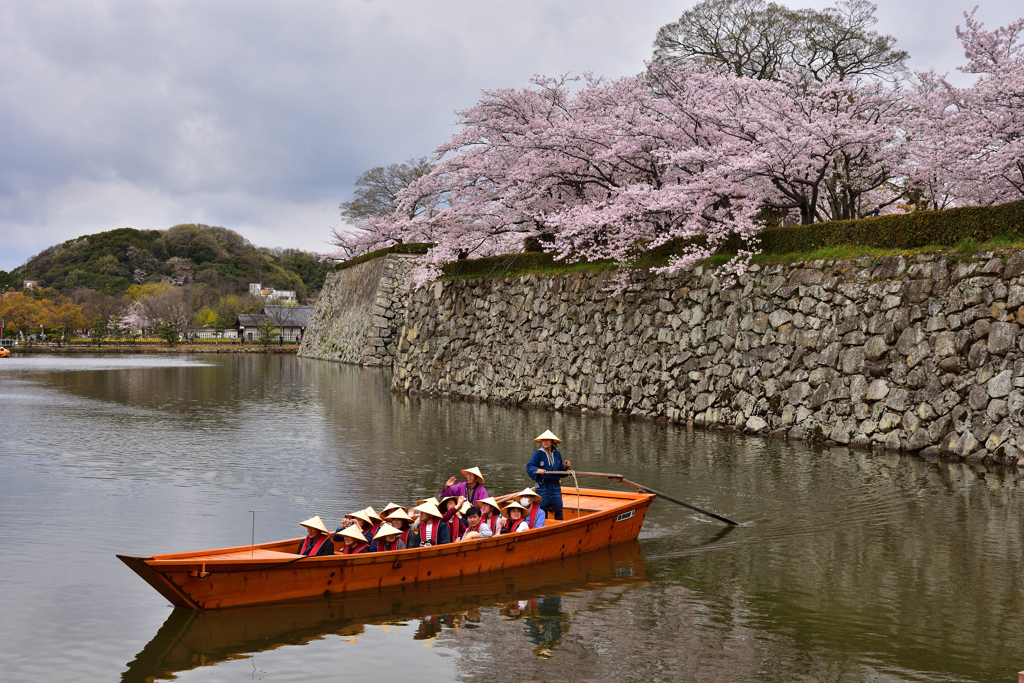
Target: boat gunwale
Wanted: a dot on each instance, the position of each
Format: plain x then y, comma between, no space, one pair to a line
210,559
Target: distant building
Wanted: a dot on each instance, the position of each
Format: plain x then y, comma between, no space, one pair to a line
269,294
29,284
208,332
289,322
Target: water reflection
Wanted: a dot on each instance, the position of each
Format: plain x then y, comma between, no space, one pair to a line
532,596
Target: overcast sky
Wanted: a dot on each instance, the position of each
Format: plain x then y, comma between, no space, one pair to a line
258,116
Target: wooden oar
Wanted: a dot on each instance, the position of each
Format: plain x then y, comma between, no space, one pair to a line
644,489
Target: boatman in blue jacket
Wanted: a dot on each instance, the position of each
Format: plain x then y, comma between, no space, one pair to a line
549,486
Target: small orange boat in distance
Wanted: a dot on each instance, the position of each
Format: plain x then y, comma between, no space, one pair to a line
4,353
272,572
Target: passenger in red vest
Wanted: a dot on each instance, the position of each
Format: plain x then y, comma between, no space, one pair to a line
516,518
432,529
361,520
450,507
375,521
387,538
318,538
530,500
354,541
490,518
401,520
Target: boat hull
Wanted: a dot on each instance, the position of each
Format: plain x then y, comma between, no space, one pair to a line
272,572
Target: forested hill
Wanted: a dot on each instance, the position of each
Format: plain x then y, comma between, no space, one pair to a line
113,261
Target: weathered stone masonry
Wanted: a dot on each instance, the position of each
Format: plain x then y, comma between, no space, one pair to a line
359,313
918,354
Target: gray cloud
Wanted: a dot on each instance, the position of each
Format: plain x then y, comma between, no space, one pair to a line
258,115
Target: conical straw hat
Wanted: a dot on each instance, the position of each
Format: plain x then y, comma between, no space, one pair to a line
489,501
400,514
315,523
429,508
370,511
515,505
548,435
360,515
385,530
354,533
528,492
432,499
389,508
475,471
465,506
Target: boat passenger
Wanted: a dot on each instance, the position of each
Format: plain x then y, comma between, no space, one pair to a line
516,518
472,489
433,530
450,509
389,508
354,541
401,520
318,538
360,520
544,461
387,538
490,518
472,515
375,519
530,500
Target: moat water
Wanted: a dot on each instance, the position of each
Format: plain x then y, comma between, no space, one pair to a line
849,566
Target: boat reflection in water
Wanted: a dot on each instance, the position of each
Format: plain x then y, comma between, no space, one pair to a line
533,594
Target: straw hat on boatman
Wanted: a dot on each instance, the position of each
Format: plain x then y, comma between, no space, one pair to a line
472,489
544,462
318,538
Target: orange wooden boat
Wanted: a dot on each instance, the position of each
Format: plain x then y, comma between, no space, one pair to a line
272,572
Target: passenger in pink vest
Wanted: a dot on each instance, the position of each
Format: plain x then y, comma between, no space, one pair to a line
318,538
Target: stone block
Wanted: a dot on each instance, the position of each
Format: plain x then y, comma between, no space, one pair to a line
1014,265
1000,385
889,268
944,344
875,348
1001,338
853,361
977,356
909,338
978,398
877,390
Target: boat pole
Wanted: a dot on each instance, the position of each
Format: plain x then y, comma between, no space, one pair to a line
252,543
644,489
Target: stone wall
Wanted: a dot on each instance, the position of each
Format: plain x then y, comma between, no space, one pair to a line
359,313
918,353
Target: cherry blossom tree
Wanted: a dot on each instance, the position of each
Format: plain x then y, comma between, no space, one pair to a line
969,142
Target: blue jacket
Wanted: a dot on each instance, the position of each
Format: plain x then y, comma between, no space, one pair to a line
539,461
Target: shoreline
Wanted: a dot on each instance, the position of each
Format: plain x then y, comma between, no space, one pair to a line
184,348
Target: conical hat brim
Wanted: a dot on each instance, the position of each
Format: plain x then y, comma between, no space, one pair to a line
465,506
515,505
315,523
548,435
429,509
489,501
475,471
387,510
528,492
371,513
385,530
353,533
400,514
361,516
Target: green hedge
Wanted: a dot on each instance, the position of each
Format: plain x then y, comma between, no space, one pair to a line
900,231
411,248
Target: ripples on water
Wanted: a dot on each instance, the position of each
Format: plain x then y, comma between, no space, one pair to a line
849,566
